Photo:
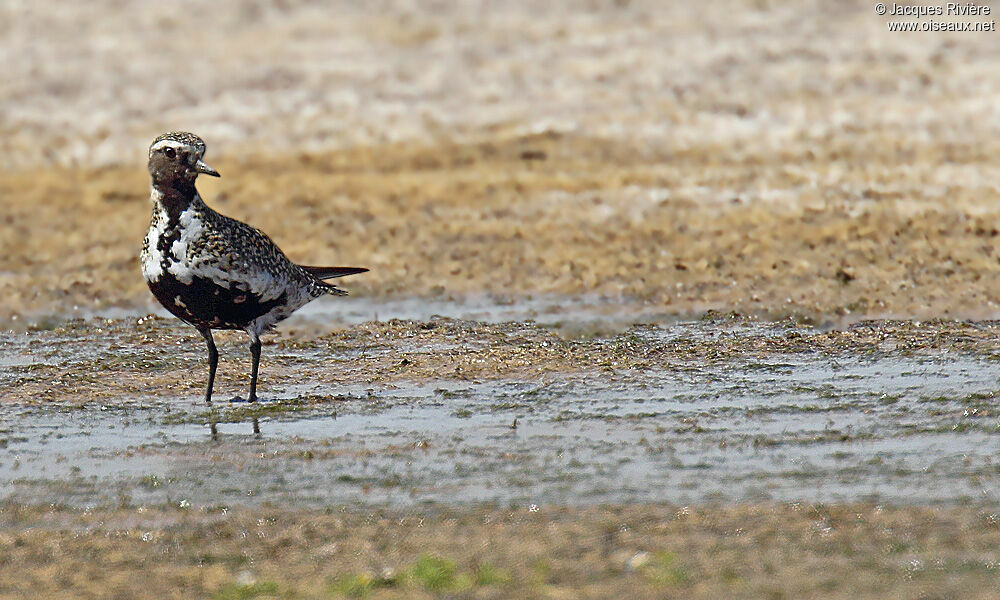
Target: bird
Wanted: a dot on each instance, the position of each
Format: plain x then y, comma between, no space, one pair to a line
212,271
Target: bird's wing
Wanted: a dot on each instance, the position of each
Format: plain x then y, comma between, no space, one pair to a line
244,257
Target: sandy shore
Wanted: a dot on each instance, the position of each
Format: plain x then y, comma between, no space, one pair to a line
777,234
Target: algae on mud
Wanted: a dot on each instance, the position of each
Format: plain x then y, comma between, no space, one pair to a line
807,550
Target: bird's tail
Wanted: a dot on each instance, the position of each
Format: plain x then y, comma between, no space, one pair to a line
332,273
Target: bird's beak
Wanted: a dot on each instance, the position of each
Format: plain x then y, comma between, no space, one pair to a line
201,167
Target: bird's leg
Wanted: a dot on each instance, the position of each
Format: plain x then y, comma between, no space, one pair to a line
213,362
255,355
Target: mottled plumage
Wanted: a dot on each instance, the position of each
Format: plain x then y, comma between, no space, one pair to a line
212,271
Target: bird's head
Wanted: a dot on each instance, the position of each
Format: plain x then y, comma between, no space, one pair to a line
175,159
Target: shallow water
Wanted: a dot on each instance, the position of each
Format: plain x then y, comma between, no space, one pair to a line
576,312
888,427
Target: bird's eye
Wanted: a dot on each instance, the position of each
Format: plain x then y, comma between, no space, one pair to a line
170,152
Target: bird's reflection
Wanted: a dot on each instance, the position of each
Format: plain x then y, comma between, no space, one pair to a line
213,421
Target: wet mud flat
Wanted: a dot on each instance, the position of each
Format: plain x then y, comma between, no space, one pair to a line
505,458
445,410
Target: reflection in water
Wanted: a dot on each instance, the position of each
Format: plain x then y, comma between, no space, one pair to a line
213,422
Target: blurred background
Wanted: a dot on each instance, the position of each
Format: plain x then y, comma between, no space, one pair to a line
770,157
91,85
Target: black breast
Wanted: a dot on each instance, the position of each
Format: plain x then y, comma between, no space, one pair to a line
203,303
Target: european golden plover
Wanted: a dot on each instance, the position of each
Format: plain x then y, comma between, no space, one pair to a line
212,271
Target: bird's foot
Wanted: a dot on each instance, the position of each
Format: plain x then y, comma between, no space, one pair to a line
237,399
